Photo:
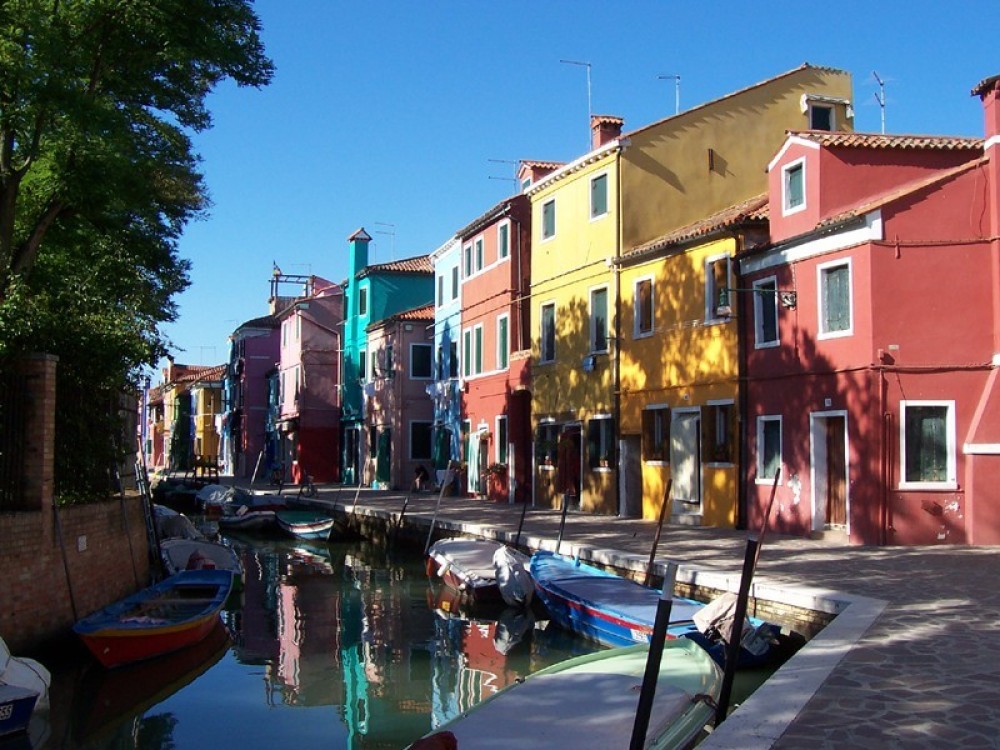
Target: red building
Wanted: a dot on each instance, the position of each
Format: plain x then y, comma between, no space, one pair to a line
871,324
495,348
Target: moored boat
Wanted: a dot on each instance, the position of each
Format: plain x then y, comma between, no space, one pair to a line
481,570
617,611
591,701
248,520
176,612
16,706
305,524
200,554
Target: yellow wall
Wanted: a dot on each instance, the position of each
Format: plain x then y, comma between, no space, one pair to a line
666,180
564,270
686,363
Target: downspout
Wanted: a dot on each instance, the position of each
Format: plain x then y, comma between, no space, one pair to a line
616,360
743,407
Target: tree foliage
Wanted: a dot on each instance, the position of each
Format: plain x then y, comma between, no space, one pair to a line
98,178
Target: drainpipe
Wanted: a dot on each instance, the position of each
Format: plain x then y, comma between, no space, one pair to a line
616,360
743,407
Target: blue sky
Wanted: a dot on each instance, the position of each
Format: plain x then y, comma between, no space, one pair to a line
401,116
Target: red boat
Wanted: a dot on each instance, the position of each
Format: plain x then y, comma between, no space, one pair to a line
179,611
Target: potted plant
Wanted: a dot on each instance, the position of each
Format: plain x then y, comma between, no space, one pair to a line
496,481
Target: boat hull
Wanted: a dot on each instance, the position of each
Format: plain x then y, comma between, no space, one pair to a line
16,705
254,520
466,567
572,718
305,525
175,613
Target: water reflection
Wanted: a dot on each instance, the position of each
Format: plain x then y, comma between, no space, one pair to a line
333,645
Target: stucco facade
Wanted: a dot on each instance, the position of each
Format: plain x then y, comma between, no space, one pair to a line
253,352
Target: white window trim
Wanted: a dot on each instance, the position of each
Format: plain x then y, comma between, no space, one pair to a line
636,333
541,331
711,316
607,319
479,259
951,483
456,281
811,105
607,195
510,241
759,300
413,345
821,313
785,169
468,268
463,349
482,349
541,223
759,458
722,402
498,367
496,443
583,438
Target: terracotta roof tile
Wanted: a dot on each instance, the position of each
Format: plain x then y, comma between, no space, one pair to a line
984,85
266,321
500,209
198,373
835,139
424,312
751,211
612,119
530,163
418,264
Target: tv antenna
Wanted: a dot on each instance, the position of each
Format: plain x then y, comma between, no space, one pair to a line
677,90
880,97
505,161
590,109
391,231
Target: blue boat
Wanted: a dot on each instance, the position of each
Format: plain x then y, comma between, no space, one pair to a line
16,705
616,611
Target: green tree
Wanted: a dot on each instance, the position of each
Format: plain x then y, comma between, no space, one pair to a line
98,178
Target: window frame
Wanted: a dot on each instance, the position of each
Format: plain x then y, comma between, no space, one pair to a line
503,240
477,342
466,353
454,282
545,237
467,261
430,361
501,452
546,357
660,415
712,291
430,439
604,445
710,418
480,254
440,290
799,165
362,301
821,308
950,483
762,420
593,180
762,297
503,342
592,320
637,330
816,107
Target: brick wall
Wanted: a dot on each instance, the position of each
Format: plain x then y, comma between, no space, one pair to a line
60,566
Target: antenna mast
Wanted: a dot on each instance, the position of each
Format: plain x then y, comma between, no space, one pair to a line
677,90
391,231
590,109
880,98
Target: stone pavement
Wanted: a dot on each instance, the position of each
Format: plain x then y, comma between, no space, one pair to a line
910,661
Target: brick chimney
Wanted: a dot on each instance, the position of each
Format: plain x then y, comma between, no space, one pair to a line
604,128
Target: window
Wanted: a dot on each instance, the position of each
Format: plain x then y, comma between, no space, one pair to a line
546,443
420,361
284,333
362,302
716,279
820,117
835,299
440,290
548,333
453,359
388,362
549,219
765,312
599,320
467,353
643,304
718,435
374,363
362,365
503,342
598,196
927,453
454,282
525,184
793,187
501,440
503,240
468,260
479,255
600,442
477,333
441,362
656,434
420,441
298,327
768,448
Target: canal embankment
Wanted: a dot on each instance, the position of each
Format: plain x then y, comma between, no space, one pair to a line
899,656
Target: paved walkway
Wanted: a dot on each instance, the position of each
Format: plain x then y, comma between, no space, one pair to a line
912,659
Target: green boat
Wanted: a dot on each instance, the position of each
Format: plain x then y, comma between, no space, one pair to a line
591,701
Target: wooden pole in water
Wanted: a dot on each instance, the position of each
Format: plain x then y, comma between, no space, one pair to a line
562,520
659,528
652,674
520,525
402,514
448,478
736,633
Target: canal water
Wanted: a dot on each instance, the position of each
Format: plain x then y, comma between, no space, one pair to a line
341,645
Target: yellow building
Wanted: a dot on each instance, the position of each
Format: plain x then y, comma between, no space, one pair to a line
192,407
630,190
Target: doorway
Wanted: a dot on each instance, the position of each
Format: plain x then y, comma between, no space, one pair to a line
685,461
828,449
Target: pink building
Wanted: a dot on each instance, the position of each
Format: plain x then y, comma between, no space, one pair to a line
872,338
398,412
309,380
252,355
495,343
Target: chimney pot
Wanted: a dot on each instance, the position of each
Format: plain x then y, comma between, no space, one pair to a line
604,128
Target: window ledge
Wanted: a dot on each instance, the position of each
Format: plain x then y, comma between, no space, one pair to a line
951,486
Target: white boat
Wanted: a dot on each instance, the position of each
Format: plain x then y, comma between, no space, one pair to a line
25,673
482,570
591,701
